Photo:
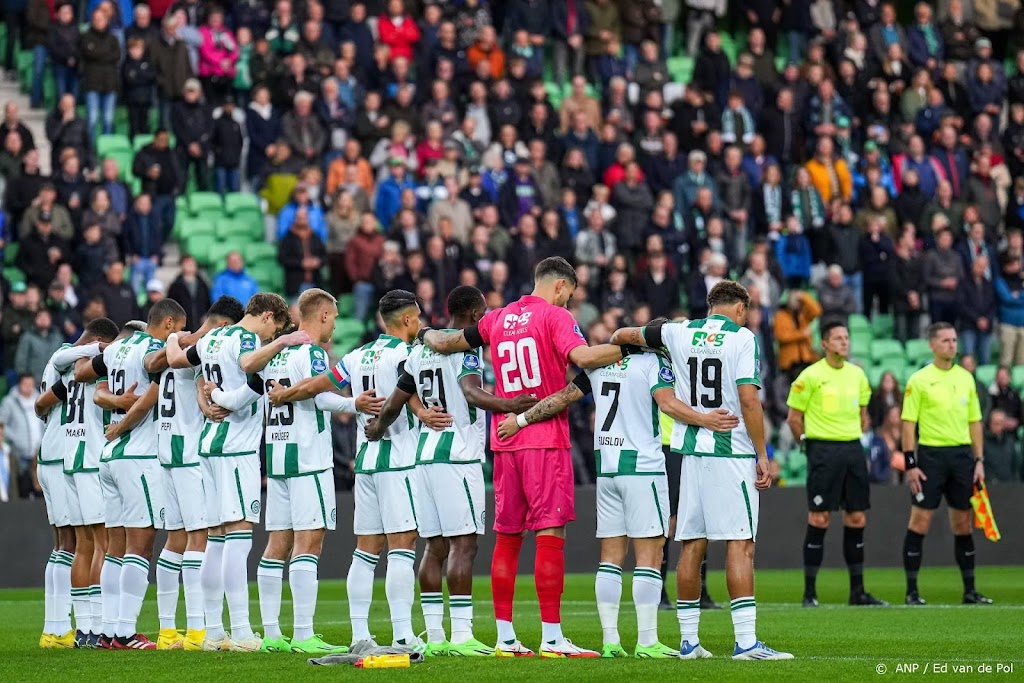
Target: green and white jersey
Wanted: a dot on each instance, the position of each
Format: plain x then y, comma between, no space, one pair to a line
51,448
241,432
181,421
627,429
298,435
125,361
437,384
82,421
712,357
378,365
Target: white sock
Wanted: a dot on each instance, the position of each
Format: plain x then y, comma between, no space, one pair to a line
110,588
460,609
237,546
400,589
506,632
134,584
96,598
191,579
433,615
62,592
82,603
212,577
744,620
688,615
551,633
302,579
48,620
168,569
646,596
359,587
269,575
608,589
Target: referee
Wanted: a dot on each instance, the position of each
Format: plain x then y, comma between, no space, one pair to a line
828,412
941,404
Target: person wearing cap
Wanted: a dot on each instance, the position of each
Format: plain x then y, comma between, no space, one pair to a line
66,317
192,123
155,291
41,252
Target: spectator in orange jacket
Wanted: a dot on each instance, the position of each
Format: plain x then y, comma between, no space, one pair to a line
486,48
793,332
398,30
829,175
338,169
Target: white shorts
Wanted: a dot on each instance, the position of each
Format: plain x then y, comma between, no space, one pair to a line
140,491
186,500
385,502
85,498
232,488
717,499
55,493
450,500
632,505
302,503
112,510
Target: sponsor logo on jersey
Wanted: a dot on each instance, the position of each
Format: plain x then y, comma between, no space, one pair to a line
578,331
798,385
702,339
248,344
666,375
319,365
471,362
512,320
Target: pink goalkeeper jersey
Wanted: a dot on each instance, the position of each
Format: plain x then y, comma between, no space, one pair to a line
530,342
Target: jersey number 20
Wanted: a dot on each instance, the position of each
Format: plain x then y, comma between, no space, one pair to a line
519,357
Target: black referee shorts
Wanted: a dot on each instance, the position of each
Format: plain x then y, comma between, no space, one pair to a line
673,468
949,472
837,476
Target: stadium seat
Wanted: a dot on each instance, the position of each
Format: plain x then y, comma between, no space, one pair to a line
105,144
13,275
874,374
140,141
346,305
986,374
190,227
238,230
860,343
269,275
885,349
11,253
904,376
200,245
218,253
236,203
882,325
918,351
205,204
346,328
124,159
860,323
257,252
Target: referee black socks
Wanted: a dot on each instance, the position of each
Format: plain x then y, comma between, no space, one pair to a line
814,551
913,544
853,553
963,548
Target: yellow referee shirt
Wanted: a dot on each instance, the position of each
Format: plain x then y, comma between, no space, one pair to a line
666,429
943,403
831,400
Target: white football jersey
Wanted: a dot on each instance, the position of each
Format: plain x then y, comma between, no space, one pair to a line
125,367
241,432
437,384
711,358
181,421
378,365
627,429
298,435
51,448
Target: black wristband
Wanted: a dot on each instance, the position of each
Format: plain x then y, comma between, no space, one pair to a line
473,336
423,331
628,349
910,459
59,390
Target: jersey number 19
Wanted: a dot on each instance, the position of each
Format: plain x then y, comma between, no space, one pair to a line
708,372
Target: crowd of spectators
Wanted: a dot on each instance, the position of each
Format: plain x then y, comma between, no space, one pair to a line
838,158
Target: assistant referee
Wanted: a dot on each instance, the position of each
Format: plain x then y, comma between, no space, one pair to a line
828,412
942,444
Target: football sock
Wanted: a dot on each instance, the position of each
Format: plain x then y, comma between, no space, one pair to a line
96,598
853,553
688,616
62,592
963,547
913,547
359,587
48,620
646,596
191,579
302,579
814,551
82,604
744,621
549,577
212,577
460,610
608,589
400,589
168,568
237,545
110,588
134,583
504,565
269,576
432,605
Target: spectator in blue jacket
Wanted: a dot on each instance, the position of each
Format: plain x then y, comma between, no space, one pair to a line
234,281
793,252
924,39
301,198
1011,312
143,241
389,191
977,315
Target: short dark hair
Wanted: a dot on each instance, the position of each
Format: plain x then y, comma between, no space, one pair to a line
826,329
555,267
227,308
935,328
394,301
103,329
728,292
464,299
268,302
166,308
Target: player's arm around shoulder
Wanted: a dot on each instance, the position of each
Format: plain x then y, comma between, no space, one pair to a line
663,389
451,341
179,355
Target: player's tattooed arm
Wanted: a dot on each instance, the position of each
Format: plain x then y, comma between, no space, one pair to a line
448,342
718,420
141,409
476,396
629,335
546,409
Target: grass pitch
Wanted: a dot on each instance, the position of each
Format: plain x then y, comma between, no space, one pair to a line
831,643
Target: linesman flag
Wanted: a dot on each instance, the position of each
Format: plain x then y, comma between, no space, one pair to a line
983,517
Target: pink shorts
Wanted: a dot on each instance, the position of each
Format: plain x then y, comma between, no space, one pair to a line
533,489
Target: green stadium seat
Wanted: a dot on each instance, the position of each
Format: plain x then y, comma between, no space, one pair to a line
190,227
200,245
236,203
346,328
986,374
860,323
13,275
860,343
205,204
918,351
11,253
346,305
882,325
884,349
218,253
105,144
904,376
258,252
874,374
140,141
239,230
269,275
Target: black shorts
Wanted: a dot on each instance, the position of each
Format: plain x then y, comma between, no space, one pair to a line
837,476
673,468
950,473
